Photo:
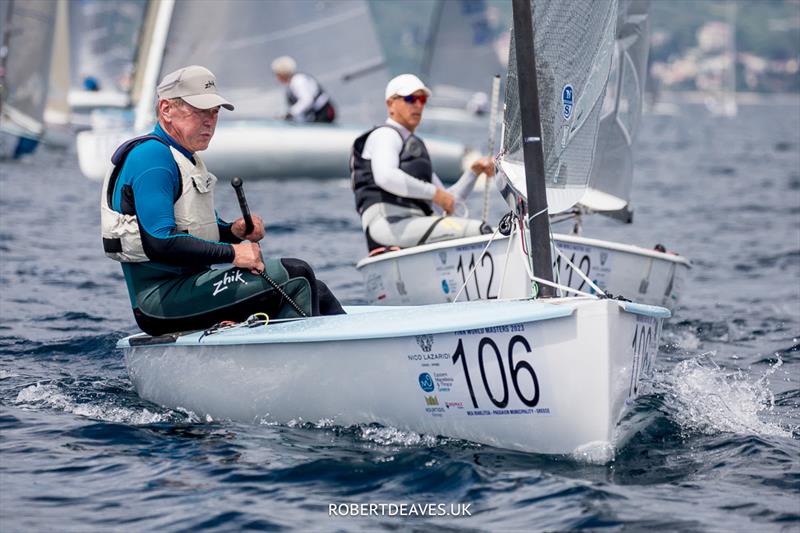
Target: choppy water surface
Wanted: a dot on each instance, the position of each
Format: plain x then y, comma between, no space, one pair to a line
719,448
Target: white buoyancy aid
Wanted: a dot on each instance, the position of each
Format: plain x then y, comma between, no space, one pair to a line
194,212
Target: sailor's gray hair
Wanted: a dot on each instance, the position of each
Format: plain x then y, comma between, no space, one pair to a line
177,102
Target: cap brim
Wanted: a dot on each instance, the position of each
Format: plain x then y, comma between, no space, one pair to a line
207,101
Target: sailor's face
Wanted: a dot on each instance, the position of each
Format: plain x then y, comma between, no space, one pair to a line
408,114
193,128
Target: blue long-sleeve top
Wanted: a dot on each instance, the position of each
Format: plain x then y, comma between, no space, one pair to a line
148,185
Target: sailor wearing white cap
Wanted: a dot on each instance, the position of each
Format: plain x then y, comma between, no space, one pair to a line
401,200
308,101
158,220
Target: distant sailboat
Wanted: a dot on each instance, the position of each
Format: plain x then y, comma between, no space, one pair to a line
26,41
333,41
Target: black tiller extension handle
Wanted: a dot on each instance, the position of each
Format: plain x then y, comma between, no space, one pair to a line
236,182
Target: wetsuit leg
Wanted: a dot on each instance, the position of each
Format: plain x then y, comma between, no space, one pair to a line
323,302
412,231
167,302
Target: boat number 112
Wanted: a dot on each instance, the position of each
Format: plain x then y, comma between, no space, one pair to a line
519,370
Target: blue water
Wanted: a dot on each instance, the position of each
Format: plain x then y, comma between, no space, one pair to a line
720,444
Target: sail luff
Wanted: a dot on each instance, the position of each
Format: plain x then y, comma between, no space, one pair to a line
533,153
144,42
144,107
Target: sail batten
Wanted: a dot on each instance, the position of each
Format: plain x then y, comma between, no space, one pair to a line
574,45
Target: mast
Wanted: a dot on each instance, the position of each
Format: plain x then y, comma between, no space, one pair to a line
533,153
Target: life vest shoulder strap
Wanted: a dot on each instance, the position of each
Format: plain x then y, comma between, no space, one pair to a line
120,155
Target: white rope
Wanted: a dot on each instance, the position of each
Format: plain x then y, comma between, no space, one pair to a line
537,214
563,287
475,266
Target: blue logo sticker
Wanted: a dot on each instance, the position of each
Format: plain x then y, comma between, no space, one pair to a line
426,382
568,99
445,287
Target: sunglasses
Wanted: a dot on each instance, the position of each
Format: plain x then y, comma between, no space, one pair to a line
411,98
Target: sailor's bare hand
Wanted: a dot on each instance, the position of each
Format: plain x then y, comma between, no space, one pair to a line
445,200
484,165
238,229
248,255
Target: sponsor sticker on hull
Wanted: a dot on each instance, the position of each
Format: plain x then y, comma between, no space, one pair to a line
484,372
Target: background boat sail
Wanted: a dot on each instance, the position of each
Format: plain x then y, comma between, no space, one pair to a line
478,30
466,268
612,171
251,142
26,30
104,38
543,376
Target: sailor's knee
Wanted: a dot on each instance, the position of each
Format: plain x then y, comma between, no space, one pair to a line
297,268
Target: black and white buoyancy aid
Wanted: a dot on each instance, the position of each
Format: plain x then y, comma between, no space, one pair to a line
194,209
321,98
414,160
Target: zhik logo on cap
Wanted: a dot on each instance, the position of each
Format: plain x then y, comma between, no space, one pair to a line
196,85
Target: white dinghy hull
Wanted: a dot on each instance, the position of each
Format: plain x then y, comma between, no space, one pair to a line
435,273
255,149
540,377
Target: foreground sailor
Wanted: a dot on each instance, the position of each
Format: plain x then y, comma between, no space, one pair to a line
401,200
308,101
158,219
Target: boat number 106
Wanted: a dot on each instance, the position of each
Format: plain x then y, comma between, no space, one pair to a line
519,371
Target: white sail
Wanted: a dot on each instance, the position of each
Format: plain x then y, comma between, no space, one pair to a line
334,41
574,45
612,173
27,32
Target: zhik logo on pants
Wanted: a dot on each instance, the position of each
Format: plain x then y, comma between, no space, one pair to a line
226,280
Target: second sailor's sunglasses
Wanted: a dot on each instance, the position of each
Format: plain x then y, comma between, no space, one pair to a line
411,98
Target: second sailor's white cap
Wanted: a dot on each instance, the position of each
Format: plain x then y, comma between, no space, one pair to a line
405,84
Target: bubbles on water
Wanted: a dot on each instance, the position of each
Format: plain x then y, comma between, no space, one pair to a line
706,398
681,340
595,453
389,436
50,396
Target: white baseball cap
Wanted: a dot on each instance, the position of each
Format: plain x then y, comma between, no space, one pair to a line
195,85
405,84
284,66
